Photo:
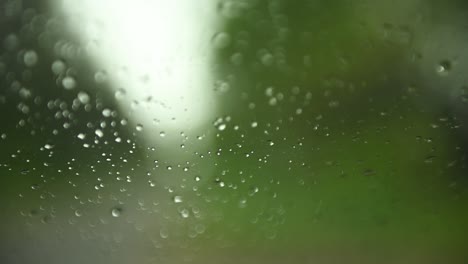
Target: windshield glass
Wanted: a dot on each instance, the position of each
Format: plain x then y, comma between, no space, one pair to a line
233,131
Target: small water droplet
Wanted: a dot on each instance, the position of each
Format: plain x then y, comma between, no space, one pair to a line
444,67
120,94
58,67
429,159
69,82
231,9
106,112
116,211
268,59
99,133
164,233
83,97
48,146
151,183
243,203
221,40
184,213
237,59
177,199
139,127
200,228
253,191
30,58
100,76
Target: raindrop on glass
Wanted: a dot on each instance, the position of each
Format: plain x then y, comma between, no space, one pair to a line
30,58
69,83
116,211
221,40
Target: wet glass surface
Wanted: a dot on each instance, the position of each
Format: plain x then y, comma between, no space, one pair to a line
233,131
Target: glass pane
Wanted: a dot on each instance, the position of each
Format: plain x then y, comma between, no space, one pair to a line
233,131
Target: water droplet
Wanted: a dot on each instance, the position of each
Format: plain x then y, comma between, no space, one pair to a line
184,213
273,101
151,183
162,134
271,234
81,136
100,76
221,127
11,42
444,67
231,9
116,211
106,112
237,59
120,94
69,83
164,233
197,178
243,203
83,97
221,40
269,91
200,228
333,104
58,67
78,213
254,124
429,159
99,133
177,199
30,58
268,59
222,86
253,191
48,146
139,127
